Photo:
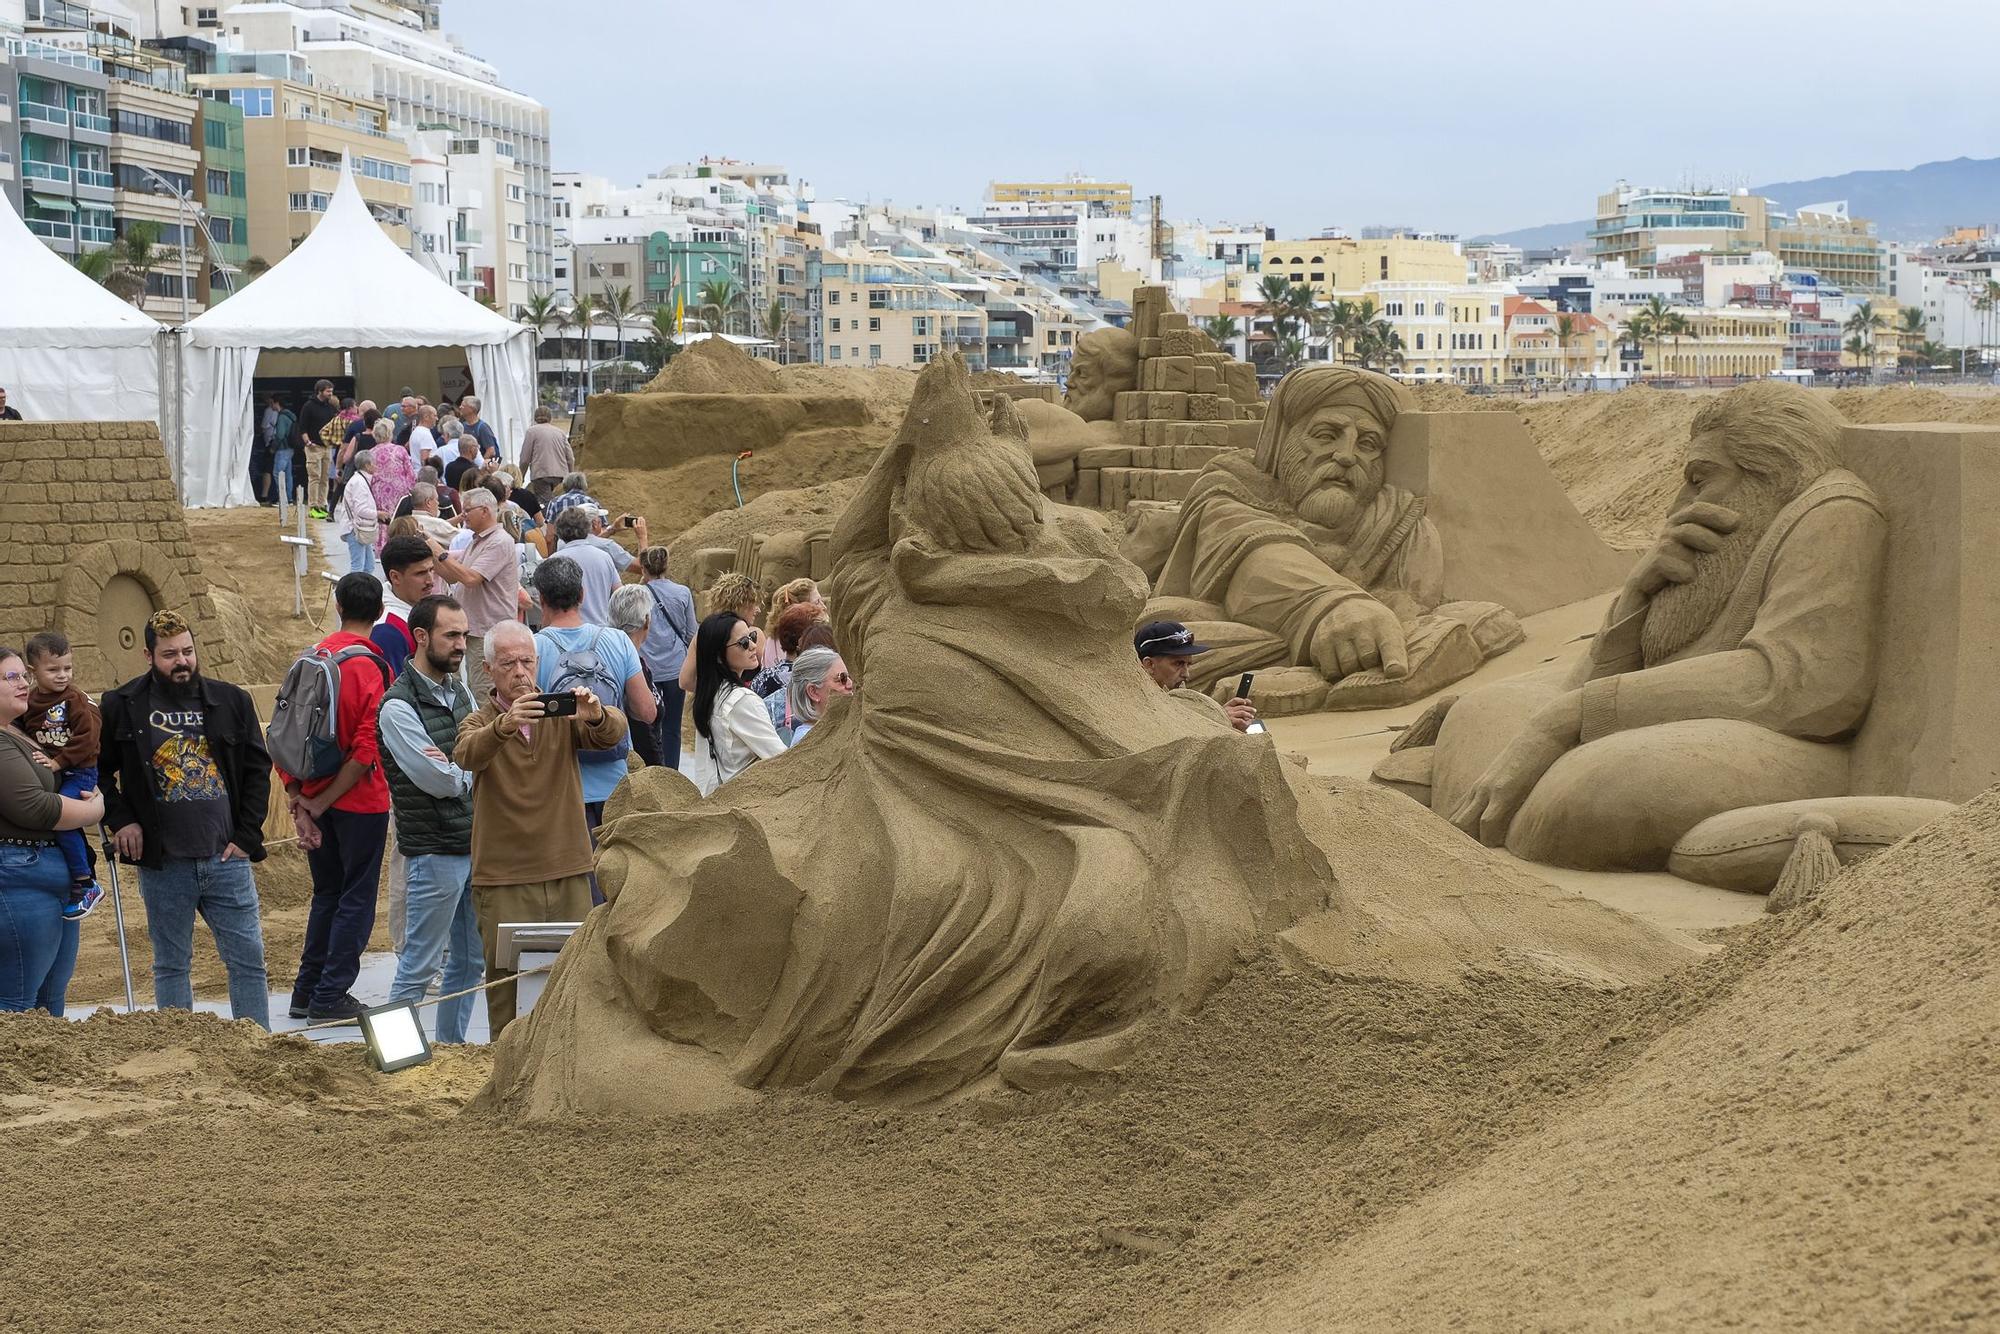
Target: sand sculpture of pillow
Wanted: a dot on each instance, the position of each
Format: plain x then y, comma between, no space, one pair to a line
1791,848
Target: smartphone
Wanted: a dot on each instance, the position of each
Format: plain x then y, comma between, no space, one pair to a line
1243,686
630,521
557,706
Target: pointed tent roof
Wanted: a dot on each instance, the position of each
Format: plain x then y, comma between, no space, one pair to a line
347,285
46,303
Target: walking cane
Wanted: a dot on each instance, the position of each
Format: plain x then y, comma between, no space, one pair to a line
118,912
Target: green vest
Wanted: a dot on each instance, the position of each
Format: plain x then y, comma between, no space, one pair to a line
427,825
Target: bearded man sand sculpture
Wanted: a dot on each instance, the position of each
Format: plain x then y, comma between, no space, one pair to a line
1730,672
1304,557
1104,365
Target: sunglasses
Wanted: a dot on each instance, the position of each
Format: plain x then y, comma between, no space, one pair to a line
748,641
843,680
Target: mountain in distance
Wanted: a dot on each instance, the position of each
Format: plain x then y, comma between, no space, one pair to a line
1914,205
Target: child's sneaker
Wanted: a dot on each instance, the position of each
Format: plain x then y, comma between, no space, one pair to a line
75,912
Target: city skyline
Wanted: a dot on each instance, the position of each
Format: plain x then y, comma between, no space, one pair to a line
1472,138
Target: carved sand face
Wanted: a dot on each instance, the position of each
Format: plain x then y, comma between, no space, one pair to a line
1331,465
1097,375
1679,614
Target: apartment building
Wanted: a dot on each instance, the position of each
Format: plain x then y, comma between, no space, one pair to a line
391,55
1723,341
1085,195
223,188
1544,344
878,310
61,144
294,134
1645,227
1450,332
1330,264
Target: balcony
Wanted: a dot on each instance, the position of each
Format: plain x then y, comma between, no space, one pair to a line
88,121
43,112
103,180
50,231
96,235
32,170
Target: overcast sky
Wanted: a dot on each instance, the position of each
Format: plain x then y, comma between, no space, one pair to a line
1438,114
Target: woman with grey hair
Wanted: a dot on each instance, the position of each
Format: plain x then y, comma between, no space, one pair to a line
355,517
632,612
817,675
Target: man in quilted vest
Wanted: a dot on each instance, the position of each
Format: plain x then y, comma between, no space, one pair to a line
432,801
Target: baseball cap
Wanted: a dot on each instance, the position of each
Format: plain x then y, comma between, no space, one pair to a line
1166,639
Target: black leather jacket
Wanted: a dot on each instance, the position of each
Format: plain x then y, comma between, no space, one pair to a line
235,737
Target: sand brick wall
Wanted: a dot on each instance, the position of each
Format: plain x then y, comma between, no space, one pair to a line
92,540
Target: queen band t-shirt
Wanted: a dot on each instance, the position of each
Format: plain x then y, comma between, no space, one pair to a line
195,819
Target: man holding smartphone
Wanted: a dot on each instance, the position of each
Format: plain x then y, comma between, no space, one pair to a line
1165,650
530,847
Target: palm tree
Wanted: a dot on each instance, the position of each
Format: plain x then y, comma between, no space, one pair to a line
718,298
1863,323
1676,327
662,339
255,267
538,312
617,304
778,328
1378,342
1290,352
1912,330
1337,322
1274,300
1302,307
1658,317
583,314
1565,331
121,267
1221,329
1637,329
1856,346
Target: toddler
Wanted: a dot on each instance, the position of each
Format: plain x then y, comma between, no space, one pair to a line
64,723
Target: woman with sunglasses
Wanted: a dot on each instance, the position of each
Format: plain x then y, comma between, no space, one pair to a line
728,714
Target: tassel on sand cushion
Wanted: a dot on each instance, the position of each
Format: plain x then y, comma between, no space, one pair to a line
1424,731
1813,862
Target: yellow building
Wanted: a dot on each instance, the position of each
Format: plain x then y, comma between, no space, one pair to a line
1645,227
1343,264
1724,341
1081,193
293,137
153,139
1844,251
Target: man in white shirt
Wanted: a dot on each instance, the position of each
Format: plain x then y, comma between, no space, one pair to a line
423,437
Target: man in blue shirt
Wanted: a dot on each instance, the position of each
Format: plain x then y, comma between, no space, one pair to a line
570,653
479,429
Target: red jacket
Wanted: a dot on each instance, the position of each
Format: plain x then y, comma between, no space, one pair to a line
361,688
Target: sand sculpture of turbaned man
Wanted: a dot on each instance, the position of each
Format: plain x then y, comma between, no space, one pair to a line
1304,557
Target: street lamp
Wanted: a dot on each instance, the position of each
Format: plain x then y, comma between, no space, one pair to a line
190,211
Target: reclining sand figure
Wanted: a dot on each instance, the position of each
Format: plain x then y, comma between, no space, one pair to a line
1010,843
1304,556
1104,365
1730,671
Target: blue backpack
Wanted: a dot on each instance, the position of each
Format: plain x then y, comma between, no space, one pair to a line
587,667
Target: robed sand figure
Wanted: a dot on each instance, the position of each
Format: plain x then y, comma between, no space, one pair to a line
1303,555
1731,671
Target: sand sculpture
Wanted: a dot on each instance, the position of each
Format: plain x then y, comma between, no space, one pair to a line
1303,562
92,542
1000,858
1745,714
713,398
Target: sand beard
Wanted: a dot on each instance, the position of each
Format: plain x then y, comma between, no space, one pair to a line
1679,614
1319,501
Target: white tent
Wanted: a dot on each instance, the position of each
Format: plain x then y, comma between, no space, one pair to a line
346,286
69,350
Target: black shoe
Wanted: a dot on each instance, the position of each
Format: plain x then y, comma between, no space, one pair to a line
346,1008
299,1010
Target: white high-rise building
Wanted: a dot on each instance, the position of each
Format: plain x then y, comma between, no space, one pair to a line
496,140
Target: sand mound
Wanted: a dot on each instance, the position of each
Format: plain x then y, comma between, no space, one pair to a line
1450,398
886,390
773,512
1814,1150
714,366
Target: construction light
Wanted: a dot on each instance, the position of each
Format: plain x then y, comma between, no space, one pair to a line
395,1037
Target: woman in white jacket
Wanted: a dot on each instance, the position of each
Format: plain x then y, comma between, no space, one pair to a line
355,517
729,715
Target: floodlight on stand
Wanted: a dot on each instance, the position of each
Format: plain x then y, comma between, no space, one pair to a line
395,1037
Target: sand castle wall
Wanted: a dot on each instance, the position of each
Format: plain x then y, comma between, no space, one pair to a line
92,542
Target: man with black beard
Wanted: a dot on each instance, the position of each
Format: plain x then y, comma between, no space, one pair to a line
1735,661
186,781
1305,556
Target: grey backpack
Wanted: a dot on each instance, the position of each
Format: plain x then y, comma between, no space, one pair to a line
304,735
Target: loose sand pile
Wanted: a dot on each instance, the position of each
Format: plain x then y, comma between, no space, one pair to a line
886,390
1795,1133
714,366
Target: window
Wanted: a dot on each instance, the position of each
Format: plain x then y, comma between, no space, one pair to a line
878,298
252,101
1420,342
427,193
833,297
215,133
218,182
874,352
304,202
222,228
617,270
295,157
853,352
874,324
833,325
835,353
663,268
920,326
136,180
152,127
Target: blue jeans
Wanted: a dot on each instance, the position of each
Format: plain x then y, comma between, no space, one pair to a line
440,927
225,894
360,555
37,948
281,473
75,848
346,877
